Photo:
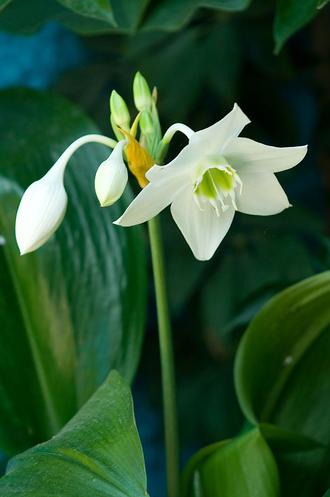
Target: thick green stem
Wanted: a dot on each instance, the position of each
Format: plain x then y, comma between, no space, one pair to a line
167,361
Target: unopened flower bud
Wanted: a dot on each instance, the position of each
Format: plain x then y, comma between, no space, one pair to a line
41,210
119,111
43,204
111,177
141,92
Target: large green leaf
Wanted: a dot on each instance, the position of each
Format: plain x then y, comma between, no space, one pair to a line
292,332
98,453
291,15
242,467
282,375
75,308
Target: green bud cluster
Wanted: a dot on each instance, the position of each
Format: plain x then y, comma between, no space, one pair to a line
145,102
147,118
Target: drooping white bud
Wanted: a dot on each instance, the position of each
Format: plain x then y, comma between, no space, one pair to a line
111,177
43,204
41,210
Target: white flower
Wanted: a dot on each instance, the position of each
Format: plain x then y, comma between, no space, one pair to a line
111,177
215,175
43,204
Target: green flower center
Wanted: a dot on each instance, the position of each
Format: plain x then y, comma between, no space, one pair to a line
215,181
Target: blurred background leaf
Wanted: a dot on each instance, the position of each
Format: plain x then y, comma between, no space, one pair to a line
4,3
292,15
129,14
97,453
171,15
26,18
98,9
75,308
105,16
244,466
282,377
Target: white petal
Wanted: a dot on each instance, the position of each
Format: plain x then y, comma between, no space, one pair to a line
203,230
183,164
261,195
111,177
151,201
203,143
41,210
215,138
243,153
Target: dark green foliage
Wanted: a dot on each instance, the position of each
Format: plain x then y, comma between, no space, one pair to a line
116,16
292,15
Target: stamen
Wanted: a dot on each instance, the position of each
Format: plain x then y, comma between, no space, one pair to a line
215,207
239,182
223,205
232,196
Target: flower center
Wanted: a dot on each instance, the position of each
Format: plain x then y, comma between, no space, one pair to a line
214,180
217,186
